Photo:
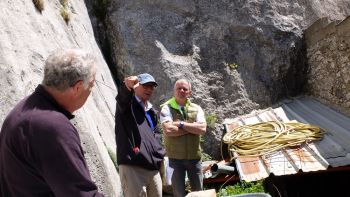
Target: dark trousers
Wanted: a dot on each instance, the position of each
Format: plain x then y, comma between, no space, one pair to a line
193,168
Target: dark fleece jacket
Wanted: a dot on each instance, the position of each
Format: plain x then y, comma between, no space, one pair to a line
40,151
128,136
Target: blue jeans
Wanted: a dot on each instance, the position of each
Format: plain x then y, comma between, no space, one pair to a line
194,173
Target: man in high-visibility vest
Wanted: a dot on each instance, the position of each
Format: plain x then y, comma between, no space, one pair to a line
183,122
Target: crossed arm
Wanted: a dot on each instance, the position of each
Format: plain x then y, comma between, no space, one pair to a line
172,129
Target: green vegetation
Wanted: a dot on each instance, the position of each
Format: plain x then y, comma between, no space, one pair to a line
206,157
65,14
113,157
232,66
64,3
211,120
242,188
39,4
65,11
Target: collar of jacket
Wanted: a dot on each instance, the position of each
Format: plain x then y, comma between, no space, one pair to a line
173,104
149,104
41,91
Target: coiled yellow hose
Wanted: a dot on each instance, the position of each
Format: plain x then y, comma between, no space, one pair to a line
267,137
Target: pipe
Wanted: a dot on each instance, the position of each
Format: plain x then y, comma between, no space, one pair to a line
222,169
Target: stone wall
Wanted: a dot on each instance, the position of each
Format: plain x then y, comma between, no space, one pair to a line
328,53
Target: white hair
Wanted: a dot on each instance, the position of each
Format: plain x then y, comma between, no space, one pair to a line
65,67
183,80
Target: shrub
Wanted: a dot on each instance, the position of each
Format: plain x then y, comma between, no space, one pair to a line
113,157
64,3
65,14
232,65
242,188
211,120
64,11
206,157
39,4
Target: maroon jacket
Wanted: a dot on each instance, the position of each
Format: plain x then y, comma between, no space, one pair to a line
40,151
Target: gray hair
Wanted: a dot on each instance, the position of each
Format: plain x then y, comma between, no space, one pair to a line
183,80
64,68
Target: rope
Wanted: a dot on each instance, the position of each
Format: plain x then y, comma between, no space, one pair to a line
267,137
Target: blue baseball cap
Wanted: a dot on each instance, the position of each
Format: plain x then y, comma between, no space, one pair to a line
146,78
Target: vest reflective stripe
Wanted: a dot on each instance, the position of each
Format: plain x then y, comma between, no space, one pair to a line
186,146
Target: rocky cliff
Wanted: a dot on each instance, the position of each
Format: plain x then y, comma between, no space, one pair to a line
27,37
328,52
239,55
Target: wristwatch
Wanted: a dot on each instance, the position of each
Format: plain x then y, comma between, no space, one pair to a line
181,125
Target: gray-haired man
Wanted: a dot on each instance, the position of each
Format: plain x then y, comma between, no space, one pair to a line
40,151
183,122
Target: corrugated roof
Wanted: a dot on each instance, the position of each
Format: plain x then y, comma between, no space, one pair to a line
332,151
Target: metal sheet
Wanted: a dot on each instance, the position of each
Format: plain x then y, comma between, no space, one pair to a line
333,150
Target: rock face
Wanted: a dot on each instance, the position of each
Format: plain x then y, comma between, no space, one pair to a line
239,55
27,37
328,52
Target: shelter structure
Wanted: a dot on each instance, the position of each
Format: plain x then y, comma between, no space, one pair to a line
329,157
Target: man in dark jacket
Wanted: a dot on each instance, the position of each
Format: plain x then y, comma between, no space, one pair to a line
40,151
139,149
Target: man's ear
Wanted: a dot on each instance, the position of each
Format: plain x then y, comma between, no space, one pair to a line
78,87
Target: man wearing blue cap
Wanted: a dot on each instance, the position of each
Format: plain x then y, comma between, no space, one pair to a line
139,149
